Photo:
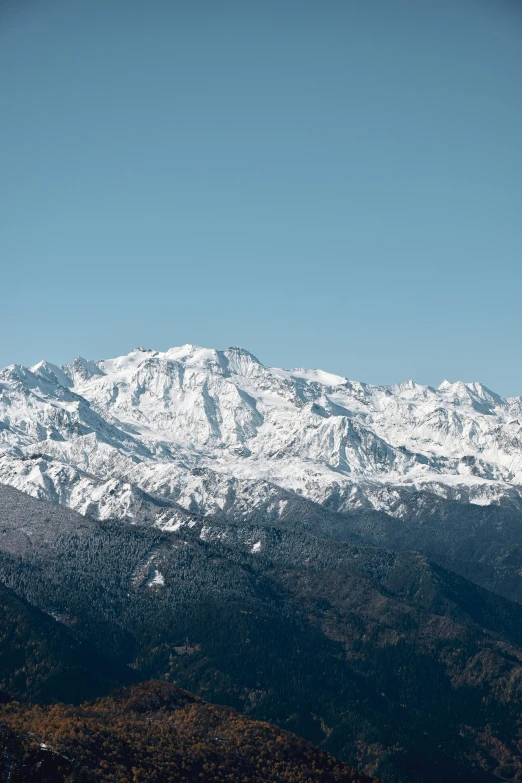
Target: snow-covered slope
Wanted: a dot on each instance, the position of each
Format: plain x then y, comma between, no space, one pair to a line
144,436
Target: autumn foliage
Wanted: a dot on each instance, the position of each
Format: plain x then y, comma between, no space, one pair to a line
155,732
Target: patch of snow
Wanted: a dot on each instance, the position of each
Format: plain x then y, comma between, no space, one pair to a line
157,580
171,525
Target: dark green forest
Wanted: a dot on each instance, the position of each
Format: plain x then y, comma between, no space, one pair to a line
384,659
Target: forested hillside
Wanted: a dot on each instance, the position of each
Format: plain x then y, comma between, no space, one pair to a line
157,733
41,660
393,664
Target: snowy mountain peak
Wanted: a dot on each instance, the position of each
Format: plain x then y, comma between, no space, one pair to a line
82,370
206,430
52,373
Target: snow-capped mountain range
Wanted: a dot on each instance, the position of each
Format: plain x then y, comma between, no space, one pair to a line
151,435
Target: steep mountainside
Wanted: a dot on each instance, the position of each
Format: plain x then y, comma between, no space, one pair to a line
148,434
389,662
41,660
482,543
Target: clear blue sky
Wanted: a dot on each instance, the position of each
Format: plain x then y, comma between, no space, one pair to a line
334,183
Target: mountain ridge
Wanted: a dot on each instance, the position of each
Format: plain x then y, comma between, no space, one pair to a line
158,438
153,419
